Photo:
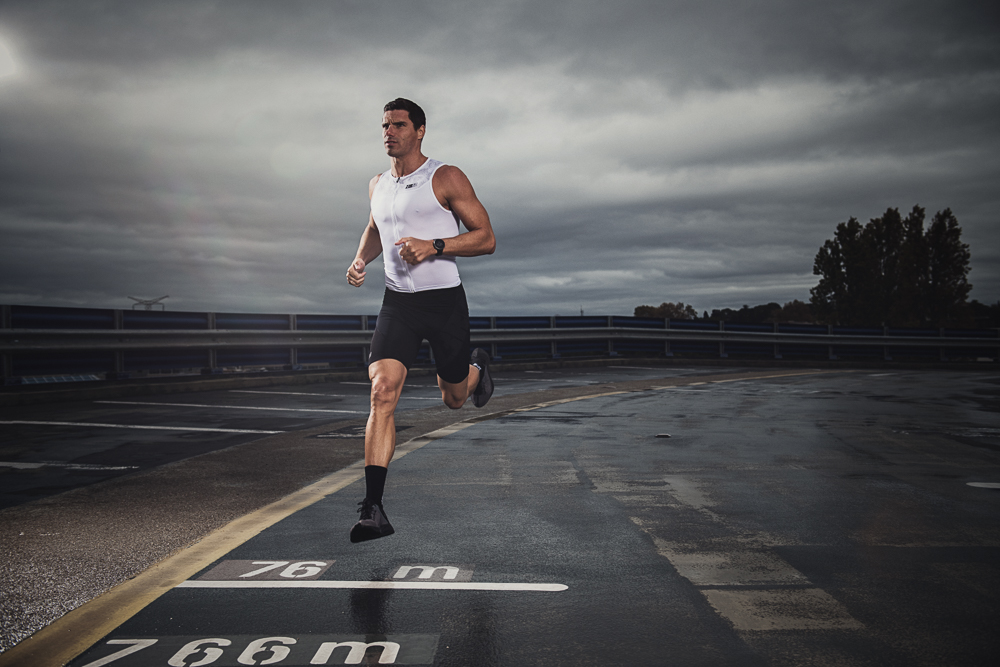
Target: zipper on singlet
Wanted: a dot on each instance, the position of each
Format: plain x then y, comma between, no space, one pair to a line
396,234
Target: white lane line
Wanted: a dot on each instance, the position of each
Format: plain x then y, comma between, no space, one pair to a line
984,485
69,466
231,407
303,393
410,585
640,368
566,383
293,393
137,426
412,386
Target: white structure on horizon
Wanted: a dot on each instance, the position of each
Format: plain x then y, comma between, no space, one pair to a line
149,303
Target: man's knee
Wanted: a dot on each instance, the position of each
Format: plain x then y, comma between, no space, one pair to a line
454,394
385,393
452,401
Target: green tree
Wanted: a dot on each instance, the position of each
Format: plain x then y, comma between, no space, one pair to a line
985,316
892,272
675,311
947,284
907,308
883,238
766,312
796,311
843,295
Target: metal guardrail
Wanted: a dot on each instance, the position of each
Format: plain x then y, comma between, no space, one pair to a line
119,342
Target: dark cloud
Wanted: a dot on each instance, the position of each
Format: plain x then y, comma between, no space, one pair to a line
628,152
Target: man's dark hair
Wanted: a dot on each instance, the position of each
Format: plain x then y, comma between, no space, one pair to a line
417,116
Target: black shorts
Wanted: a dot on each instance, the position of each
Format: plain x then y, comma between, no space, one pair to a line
440,316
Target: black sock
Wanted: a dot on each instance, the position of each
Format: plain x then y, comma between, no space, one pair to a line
375,483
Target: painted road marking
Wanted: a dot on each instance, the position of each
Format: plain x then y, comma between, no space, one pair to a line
305,393
293,393
566,383
397,585
69,466
433,572
139,427
237,650
230,407
789,601
134,646
266,570
730,568
681,385
781,609
984,485
413,386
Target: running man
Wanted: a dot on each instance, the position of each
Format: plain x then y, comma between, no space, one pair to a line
416,208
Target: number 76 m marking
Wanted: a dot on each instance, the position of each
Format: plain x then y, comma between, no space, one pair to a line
267,570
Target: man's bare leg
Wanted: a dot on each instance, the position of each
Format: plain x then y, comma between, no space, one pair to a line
387,376
478,384
455,395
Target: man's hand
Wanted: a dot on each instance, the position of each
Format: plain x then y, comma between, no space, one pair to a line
356,274
414,251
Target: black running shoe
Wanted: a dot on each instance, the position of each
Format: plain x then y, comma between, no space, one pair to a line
481,360
372,524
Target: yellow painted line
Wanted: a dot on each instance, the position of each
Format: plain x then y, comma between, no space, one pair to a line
69,636
780,375
767,376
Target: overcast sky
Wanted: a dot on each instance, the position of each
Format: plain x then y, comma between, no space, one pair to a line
628,152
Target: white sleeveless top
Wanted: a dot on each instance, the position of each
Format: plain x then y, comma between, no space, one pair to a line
407,206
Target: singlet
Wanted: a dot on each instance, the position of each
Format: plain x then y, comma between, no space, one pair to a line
407,206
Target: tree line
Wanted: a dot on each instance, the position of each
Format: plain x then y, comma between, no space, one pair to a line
889,272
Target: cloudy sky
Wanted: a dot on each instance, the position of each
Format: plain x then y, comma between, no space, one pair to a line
628,152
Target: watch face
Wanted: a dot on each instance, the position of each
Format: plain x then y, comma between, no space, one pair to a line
438,245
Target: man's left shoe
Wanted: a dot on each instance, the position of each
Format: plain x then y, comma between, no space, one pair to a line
481,360
372,524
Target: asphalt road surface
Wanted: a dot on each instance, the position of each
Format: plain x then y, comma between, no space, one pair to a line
47,449
792,517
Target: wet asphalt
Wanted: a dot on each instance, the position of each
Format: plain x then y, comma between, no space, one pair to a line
56,451
836,518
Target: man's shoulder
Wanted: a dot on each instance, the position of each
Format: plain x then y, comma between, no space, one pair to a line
449,175
372,183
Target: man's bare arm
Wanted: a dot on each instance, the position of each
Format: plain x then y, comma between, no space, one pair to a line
455,192
369,248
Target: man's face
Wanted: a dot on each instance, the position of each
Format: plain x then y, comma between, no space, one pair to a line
398,134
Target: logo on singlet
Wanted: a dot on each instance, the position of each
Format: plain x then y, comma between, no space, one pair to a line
410,185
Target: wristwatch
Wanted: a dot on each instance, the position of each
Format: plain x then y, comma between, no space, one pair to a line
439,246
